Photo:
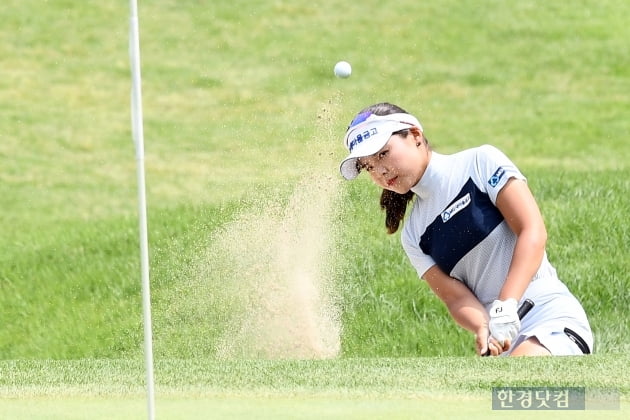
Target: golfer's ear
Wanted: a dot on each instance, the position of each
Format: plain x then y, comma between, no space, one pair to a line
417,134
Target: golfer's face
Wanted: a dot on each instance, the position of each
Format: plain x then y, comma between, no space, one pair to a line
399,165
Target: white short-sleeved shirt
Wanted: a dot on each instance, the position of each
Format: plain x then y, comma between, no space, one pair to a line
455,223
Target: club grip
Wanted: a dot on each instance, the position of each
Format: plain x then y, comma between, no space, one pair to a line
525,307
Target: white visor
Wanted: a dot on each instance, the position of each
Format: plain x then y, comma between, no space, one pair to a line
368,133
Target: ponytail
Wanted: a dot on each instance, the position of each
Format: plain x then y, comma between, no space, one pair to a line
394,205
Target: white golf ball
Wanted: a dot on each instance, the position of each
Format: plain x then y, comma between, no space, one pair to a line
343,69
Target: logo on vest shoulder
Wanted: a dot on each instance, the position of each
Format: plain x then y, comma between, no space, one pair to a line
496,177
455,208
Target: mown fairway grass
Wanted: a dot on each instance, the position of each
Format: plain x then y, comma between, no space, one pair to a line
240,105
355,388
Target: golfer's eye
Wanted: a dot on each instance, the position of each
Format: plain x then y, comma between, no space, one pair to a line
382,154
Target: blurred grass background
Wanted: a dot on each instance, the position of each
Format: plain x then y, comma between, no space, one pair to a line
234,95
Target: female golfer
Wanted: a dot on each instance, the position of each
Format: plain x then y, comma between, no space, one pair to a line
474,233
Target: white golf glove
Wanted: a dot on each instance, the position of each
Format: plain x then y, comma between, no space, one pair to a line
504,323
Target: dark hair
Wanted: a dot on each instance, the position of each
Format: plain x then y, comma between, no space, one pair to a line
394,204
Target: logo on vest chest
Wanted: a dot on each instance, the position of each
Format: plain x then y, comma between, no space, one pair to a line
455,208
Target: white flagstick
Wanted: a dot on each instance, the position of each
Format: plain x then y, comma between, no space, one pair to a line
138,140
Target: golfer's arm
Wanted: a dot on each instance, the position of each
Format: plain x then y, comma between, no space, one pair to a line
462,304
518,206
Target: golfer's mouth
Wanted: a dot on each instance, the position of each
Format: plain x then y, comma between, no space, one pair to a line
392,181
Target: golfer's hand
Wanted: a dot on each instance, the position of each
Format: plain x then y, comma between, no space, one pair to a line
487,346
504,323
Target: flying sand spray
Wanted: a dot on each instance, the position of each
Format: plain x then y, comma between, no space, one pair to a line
285,262
265,284
286,268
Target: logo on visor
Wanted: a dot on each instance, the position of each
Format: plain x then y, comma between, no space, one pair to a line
361,137
360,118
496,177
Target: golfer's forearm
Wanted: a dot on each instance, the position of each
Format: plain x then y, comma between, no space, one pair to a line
528,255
469,313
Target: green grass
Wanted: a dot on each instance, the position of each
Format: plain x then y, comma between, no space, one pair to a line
372,387
351,376
243,119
